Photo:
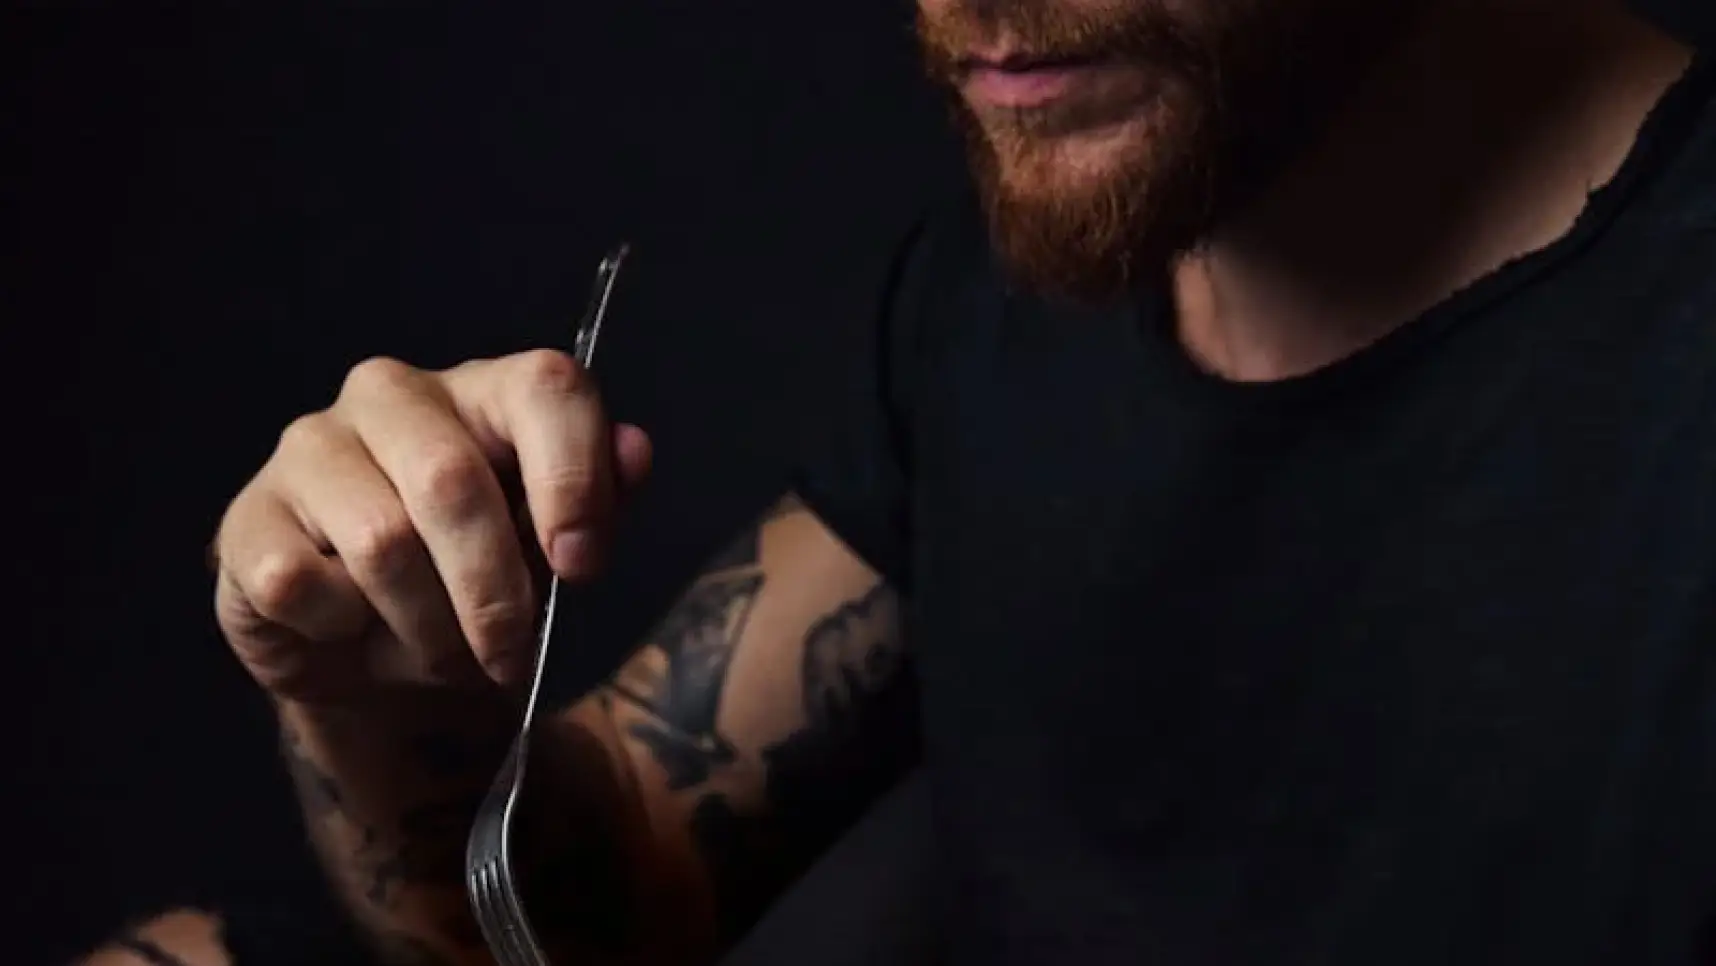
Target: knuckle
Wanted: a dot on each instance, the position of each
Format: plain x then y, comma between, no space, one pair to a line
384,546
278,583
548,370
496,627
571,483
450,481
306,433
376,373
234,611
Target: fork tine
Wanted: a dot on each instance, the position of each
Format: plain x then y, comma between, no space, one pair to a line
498,932
525,935
490,924
510,946
529,951
505,897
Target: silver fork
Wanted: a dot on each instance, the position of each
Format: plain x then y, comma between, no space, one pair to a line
489,879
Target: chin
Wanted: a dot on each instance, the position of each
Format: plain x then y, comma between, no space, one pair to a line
1056,170
1089,214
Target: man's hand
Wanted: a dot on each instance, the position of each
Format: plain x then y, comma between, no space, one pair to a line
374,581
375,577
378,549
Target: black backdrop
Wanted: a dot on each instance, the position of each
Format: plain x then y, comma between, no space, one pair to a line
223,208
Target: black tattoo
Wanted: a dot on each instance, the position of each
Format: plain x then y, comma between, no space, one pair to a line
148,951
859,706
320,793
850,655
428,847
697,641
859,737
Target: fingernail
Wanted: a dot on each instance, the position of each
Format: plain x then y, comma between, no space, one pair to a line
570,552
505,670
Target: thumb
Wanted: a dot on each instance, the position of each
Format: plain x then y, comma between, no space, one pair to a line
631,454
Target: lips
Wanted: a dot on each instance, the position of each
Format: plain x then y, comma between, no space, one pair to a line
1014,88
1020,81
1017,62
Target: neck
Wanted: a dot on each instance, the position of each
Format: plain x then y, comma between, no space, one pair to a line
1479,141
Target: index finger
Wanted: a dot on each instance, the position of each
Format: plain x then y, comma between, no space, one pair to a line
545,409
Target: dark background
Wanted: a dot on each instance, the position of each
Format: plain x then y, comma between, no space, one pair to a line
222,209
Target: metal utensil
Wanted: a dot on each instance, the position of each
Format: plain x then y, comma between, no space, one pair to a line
489,879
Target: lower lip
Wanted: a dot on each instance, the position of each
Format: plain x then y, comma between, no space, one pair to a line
1030,87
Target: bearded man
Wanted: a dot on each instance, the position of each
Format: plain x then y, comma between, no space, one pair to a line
1277,508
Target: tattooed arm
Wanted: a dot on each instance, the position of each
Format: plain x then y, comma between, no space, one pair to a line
770,708
666,809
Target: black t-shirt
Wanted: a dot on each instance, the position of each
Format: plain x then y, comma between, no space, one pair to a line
1409,660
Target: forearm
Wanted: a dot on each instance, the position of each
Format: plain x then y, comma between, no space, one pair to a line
389,809
388,800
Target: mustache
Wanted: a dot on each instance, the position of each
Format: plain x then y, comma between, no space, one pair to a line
964,33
